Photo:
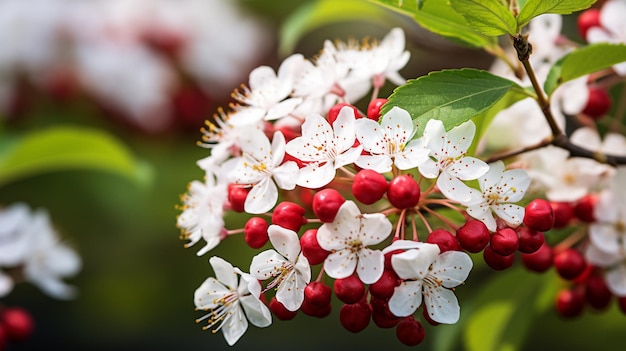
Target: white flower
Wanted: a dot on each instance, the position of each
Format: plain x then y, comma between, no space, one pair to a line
14,222
267,98
450,163
499,188
425,272
614,265
260,163
613,28
289,268
202,215
227,297
608,232
348,238
49,260
390,142
324,148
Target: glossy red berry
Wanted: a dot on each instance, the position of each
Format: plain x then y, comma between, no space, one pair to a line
497,261
563,214
540,260
597,292
369,186
373,108
279,310
569,263
403,192
570,302
584,208
315,310
529,240
255,232
311,248
586,20
289,215
385,286
381,315
355,317
334,112
473,236
17,322
504,241
538,215
318,293
444,239
237,195
410,332
598,104
350,289
326,203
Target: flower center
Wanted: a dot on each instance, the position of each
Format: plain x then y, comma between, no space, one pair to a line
222,313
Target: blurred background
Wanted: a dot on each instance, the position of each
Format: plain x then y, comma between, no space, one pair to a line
147,73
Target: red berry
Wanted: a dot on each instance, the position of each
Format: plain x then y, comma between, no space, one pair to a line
529,240
569,263
444,239
388,255
369,186
570,302
410,332
538,215
326,203
255,232
504,241
289,215
597,292
540,260
563,214
403,192
497,261
279,310
381,315
318,293
586,20
473,236
355,317
314,310
584,208
349,289
311,248
373,109
17,322
385,286
334,112
237,195
598,104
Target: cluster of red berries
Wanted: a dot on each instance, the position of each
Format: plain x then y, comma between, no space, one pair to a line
16,325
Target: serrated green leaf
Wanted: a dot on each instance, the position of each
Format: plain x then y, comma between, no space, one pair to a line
323,12
490,17
67,148
440,18
452,96
586,60
534,8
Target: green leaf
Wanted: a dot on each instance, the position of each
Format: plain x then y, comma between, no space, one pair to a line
586,60
452,96
316,14
489,17
534,8
67,148
440,18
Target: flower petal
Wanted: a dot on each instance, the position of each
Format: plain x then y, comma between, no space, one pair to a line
616,280
262,197
442,305
340,264
378,163
224,272
314,176
266,264
210,291
370,265
406,298
452,267
285,241
414,263
234,325
375,227
452,188
512,214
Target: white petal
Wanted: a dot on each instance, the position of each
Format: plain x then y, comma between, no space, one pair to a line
601,258
468,168
266,264
290,293
314,176
331,236
224,272
285,241
278,148
398,125
452,188
6,284
345,129
402,245
411,157
282,109
371,135
375,227
262,197
493,175
435,134
340,264
442,305
261,77
349,156
616,280
370,265
429,169
378,163
286,175
512,214
605,237
452,267
482,213
461,138
414,264
406,298
210,291
234,326
258,314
